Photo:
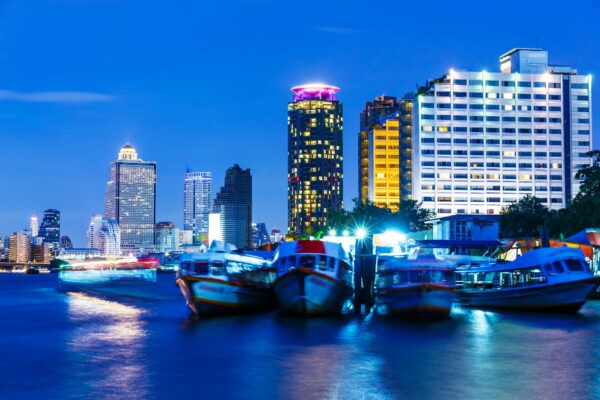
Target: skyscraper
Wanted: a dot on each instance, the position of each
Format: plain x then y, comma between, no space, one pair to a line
315,157
19,249
197,204
369,117
130,200
34,226
104,235
50,229
482,140
234,205
166,237
260,235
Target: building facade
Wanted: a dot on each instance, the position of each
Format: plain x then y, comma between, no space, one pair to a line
260,235
167,237
482,140
370,116
383,162
130,200
104,235
19,248
34,226
467,227
197,205
315,157
50,229
233,203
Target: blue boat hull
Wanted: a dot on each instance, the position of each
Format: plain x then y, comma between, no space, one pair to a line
416,301
130,283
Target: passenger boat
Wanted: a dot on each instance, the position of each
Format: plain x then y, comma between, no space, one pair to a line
415,285
225,279
313,277
547,279
122,277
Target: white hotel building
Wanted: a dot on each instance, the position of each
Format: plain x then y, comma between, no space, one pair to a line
484,139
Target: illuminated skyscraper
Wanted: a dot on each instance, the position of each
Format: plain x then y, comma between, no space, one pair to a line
315,157
369,117
197,204
34,226
50,229
131,200
19,249
234,205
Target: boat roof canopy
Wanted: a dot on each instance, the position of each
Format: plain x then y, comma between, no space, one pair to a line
459,243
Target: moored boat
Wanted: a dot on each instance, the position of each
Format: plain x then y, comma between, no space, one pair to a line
225,280
313,277
547,279
416,285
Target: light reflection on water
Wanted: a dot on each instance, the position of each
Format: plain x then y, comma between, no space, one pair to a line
109,336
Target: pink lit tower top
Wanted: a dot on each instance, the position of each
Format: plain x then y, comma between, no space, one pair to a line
315,157
315,91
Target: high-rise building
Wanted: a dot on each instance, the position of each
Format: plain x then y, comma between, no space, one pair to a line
50,229
34,226
40,253
19,249
260,235
197,189
234,205
104,235
276,235
383,162
65,242
130,200
370,116
315,157
166,237
485,139
406,131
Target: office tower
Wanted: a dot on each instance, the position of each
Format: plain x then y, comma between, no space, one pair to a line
40,253
315,157
130,200
19,249
104,235
50,229
197,204
383,162
166,237
260,235
370,116
65,242
234,205
93,232
485,139
405,115
276,235
34,226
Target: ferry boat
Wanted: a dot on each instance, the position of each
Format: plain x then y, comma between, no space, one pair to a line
547,279
225,279
313,277
122,277
415,285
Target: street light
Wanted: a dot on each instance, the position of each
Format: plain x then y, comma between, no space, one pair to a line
360,233
346,232
332,232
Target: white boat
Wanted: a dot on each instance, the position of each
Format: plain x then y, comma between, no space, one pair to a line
225,280
415,285
547,279
313,277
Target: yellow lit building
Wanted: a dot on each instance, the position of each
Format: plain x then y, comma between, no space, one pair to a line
384,163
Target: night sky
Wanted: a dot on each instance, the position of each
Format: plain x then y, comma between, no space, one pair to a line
206,84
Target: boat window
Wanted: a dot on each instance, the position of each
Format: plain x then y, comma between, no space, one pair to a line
291,261
233,267
574,265
307,262
558,268
216,268
201,267
548,268
331,263
322,263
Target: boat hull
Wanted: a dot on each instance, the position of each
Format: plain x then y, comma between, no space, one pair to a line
563,297
126,282
206,295
424,300
307,292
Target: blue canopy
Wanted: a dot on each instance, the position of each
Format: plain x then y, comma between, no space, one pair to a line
580,237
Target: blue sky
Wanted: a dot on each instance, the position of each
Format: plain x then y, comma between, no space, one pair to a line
206,84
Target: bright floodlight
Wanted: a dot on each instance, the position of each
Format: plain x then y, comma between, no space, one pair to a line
332,232
346,233
392,236
360,233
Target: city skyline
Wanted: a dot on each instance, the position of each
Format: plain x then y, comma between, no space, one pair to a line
91,114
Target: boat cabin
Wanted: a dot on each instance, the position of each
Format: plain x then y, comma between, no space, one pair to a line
407,270
228,266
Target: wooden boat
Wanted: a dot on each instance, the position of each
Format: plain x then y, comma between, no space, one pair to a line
547,279
225,280
313,277
415,285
